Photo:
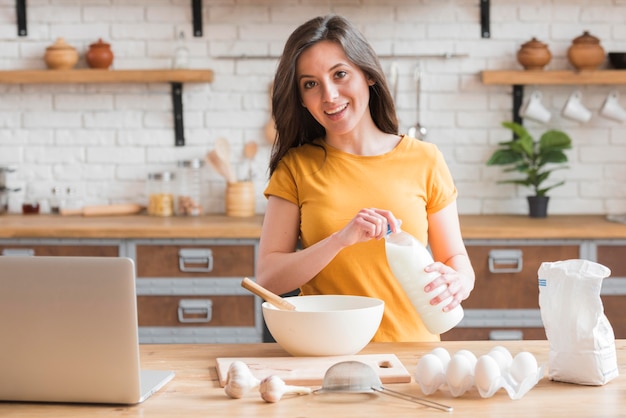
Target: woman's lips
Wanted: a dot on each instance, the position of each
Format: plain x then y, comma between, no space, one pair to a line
337,112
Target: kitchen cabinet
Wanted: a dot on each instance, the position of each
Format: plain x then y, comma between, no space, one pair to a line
189,291
88,75
505,301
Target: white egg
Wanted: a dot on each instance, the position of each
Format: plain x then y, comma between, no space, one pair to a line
486,373
502,356
443,355
459,374
429,373
469,355
524,364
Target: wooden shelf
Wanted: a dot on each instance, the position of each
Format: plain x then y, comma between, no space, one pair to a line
520,78
554,77
104,76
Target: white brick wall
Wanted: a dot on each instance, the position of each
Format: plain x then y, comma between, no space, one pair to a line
104,139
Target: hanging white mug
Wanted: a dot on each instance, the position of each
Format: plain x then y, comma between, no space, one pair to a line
612,109
575,109
534,109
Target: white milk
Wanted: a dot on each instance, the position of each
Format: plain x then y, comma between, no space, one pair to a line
407,258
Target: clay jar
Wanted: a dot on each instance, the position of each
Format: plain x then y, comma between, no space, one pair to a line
534,55
60,55
586,53
99,55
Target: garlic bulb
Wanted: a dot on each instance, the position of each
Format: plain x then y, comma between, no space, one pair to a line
272,389
239,380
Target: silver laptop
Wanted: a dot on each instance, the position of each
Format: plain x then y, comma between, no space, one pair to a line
68,331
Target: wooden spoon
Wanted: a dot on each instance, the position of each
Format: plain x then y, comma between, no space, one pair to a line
266,295
222,148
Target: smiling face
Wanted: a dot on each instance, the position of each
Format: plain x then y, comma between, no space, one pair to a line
333,89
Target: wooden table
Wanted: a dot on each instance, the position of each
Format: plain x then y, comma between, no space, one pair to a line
195,391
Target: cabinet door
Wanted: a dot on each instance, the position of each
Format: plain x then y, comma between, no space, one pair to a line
196,311
189,261
498,287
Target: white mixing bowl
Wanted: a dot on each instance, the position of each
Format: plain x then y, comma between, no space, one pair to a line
324,325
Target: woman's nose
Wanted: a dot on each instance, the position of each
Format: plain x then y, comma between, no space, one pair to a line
330,92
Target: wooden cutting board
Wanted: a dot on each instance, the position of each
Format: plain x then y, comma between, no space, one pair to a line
309,371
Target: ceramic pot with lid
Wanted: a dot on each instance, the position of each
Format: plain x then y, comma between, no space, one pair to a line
534,55
61,55
99,55
586,53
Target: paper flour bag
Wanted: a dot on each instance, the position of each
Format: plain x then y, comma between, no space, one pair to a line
581,339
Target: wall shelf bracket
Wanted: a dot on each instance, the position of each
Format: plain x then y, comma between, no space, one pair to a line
20,10
177,102
518,98
485,31
196,10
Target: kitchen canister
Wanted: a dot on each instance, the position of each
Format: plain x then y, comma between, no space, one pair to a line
161,193
534,55
586,53
240,201
191,186
61,55
99,55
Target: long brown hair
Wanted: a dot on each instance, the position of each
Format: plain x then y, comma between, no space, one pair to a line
294,124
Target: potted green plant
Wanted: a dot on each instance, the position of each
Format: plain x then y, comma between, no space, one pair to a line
536,160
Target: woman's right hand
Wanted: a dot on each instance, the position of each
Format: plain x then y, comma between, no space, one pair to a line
367,224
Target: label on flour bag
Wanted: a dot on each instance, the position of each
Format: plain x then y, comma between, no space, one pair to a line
407,258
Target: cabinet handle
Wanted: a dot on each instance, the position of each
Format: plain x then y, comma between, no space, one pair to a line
506,335
28,252
505,261
195,260
195,310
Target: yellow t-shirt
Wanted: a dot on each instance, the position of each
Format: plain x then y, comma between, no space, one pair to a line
330,187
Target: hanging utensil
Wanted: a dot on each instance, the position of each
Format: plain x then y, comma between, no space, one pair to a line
266,295
393,81
357,377
249,152
418,130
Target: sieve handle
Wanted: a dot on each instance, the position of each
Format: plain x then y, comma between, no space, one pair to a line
421,401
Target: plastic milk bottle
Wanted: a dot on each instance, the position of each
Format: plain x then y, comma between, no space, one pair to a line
407,258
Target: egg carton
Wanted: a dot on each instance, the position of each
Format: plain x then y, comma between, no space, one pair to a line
498,369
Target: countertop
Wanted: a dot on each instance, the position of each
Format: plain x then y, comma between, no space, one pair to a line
195,390
221,226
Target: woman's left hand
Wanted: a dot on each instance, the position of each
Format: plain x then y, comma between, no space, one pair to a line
454,282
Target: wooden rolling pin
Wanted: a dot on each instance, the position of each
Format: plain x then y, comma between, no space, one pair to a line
105,210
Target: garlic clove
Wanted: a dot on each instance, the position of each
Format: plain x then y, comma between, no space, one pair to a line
273,388
239,380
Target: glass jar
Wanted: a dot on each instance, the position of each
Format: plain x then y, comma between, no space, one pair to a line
190,188
161,193
56,200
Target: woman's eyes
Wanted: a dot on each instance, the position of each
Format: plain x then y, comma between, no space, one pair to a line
307,85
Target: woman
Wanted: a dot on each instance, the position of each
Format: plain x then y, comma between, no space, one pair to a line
340,174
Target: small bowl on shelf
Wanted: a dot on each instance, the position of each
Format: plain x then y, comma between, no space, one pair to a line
618,60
